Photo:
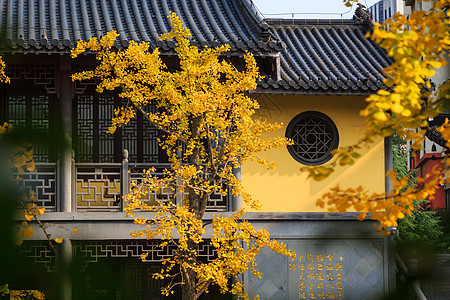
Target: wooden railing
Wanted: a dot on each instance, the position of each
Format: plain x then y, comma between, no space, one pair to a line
43,182
100,186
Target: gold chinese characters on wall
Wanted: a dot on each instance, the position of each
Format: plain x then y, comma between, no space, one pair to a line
320,276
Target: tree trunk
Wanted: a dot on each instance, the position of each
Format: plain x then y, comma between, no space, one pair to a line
195,200
188,288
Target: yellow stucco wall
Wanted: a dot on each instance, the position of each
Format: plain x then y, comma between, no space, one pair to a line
286,189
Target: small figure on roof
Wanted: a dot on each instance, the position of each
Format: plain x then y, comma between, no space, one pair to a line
362,15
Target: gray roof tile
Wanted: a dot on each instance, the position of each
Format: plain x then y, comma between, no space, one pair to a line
326,56
316,56
56,25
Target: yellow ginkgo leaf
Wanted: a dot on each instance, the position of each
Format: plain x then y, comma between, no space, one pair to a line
361,216
380,116
75,230
59,240
28,217
40,211
31,166
27,232
385,232
18,242
345,160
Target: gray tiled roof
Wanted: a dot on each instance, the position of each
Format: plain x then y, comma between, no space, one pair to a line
316,57
327,56
43,25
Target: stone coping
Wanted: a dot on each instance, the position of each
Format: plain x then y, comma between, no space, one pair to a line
251,216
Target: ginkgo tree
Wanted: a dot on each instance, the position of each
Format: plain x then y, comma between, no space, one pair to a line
418,45
208,128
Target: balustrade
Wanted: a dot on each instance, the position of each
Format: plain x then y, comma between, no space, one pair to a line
166,194
42,182
100,186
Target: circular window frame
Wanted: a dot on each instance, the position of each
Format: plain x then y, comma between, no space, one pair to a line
328,121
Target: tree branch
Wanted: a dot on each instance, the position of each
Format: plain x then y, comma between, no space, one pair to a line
159,127
203,289
47,235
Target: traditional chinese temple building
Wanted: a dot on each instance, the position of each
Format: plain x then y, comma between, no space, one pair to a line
317,74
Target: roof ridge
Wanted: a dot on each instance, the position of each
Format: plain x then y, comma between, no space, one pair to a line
362,17
252,14
293,22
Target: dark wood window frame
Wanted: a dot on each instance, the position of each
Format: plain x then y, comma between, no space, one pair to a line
138,137
315,135
46,121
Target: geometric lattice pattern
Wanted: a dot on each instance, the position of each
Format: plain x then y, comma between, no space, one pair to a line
94,115
33,112
140,138
84,128
313,138
150,147
40,74
219,202
164,195
216,201
98,186
130,134
91,251
40,252
17,111
94,144
42,181
86,86
105,139
40,121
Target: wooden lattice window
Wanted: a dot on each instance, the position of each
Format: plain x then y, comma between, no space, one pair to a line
27,110
314,135
92,143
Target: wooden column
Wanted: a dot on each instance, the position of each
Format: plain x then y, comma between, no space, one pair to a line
65,279
125,178
236,201
65,100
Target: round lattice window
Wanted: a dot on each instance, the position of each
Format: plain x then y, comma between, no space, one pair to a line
314,135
